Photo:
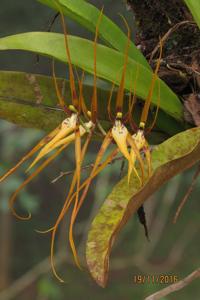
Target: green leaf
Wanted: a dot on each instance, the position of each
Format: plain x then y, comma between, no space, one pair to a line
168,159
29,100
109,64
194,7
87,15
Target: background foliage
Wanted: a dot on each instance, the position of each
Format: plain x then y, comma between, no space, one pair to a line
172,249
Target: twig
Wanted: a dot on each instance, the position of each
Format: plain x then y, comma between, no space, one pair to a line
189,191
144,264
84,168
89,166
175,287
29,277
167,34
52,21
38,270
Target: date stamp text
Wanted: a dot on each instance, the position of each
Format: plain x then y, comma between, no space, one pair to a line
155,279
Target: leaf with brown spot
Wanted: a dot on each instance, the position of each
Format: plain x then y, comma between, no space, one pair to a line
30,100
173,156
19,103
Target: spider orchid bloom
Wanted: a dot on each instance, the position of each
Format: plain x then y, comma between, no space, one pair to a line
67,126
138,143
73,195
119,132
63,136
120,135
139,137
123,139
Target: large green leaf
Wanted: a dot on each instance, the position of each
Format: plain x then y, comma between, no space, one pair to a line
194,6
168,159
29,100
87,15
109,64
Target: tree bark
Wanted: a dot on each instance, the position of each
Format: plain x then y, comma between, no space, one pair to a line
180,67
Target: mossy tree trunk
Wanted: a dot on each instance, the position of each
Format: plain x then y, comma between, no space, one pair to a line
180,66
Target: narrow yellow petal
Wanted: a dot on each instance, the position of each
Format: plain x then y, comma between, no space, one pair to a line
106,142
73,216
148,158
68,125
33,175
66,206
71,137
136,142
29,154
132,164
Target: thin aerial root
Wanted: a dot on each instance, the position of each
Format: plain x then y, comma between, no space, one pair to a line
185,198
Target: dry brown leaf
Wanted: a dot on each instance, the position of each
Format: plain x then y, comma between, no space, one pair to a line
192,109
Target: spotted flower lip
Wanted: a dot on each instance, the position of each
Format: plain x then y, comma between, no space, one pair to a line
139,139
137,142
119,134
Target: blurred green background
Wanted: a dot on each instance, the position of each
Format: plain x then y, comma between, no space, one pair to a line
24,265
